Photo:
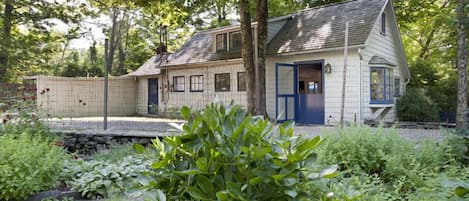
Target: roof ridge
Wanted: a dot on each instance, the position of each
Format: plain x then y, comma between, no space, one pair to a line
324,6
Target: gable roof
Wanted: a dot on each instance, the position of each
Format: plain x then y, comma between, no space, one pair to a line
311,29
324,27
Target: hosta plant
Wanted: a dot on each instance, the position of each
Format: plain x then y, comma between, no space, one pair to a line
225,154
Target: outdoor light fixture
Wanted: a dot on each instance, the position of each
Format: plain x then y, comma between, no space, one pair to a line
328,68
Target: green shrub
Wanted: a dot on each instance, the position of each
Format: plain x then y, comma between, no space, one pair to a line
402,167
416,106
27,165
101,179
225,154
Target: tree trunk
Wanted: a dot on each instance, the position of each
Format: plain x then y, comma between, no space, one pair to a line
248,54
112,40
6,36
462,66
262,15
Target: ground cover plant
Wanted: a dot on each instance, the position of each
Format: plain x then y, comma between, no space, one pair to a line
378,164
108,173
28,164
225,154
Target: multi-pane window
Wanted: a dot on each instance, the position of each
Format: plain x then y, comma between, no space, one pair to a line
222,82
235,40
397,87
241,81
383,23
381,85
178,83
197,83
221,42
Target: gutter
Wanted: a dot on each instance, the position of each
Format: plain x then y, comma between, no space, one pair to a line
317,50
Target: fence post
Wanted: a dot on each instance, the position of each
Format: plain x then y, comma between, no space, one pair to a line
106,81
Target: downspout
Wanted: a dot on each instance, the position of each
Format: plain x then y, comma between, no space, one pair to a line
360,113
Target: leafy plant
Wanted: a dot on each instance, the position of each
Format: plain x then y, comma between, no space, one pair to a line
100,179
28,164
225,154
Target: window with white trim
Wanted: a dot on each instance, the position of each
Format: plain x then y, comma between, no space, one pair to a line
221,42
178,83
197,83
397,87
235,41
381,85
222,82
383,24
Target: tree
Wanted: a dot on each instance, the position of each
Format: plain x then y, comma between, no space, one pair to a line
262,15
247,51
28,23
462,65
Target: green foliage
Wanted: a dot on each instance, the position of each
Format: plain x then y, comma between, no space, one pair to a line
225,154
28,164
378,164
416,106
114,153
101,178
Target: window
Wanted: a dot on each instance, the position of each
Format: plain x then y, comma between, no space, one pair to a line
178,83
383,23
197,83
222,82
397,87
241,81
381,85
235,40
221,42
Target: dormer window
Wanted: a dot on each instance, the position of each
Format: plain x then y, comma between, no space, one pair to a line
383,24
221,42
235,40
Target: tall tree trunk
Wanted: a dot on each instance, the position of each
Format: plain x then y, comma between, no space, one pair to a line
6,36
248,54
462,66
262,15
112,40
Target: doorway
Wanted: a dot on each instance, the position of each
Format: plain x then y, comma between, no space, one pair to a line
152,96
310,108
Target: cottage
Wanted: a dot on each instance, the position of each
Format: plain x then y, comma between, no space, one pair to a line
304,68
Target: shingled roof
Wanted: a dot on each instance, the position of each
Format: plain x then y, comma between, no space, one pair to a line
311,29
324,27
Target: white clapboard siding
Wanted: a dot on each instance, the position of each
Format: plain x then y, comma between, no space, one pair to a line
332,85
196,100
388,47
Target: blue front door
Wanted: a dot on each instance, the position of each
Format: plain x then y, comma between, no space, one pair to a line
152,96
310,108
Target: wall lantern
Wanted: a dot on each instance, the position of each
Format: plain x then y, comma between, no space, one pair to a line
328,68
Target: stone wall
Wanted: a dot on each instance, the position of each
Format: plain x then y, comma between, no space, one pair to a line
85,144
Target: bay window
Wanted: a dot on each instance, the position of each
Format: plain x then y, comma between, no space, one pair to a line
381,83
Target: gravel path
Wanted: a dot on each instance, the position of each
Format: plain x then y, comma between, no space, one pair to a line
145,126
411,134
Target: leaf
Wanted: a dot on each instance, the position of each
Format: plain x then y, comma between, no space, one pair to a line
222,196
291,193
310,144
205,184
186,112
196,193
329,172
160,196
255,180
140,149
202,164
461,191
188,172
